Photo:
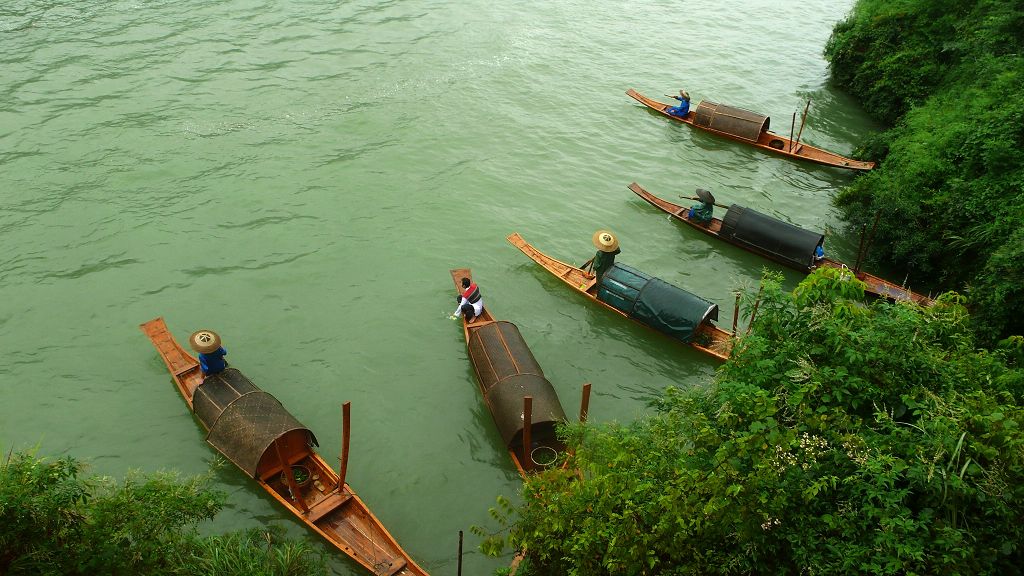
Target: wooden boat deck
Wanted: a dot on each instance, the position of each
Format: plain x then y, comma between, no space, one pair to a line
875,285
782,145
337,514
709,339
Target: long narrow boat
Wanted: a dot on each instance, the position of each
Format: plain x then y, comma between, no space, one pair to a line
253,430
776,240
750,128
507,373
654,303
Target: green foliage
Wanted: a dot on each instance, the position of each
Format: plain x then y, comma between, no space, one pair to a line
842,437
950,76
54,521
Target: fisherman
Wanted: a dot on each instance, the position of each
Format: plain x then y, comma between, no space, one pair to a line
471,304
819,253
211,353
684,105
607,248
703,211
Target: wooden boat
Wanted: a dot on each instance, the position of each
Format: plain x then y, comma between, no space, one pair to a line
750,128
703,335
508,374
777,240
251,428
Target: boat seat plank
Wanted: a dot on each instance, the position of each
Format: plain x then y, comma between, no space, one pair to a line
398,564
327,505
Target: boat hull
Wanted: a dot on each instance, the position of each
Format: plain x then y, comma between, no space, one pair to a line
710,339
337,514
767,140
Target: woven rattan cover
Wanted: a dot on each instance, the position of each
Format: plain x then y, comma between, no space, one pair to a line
734,121
243,420
781,240
508,372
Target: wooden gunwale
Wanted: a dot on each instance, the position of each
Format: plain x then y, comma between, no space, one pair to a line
801,151
467,330
875,285
339,516
584,283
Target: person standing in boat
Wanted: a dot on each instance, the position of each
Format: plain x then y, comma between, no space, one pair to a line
607,248
703,211
211,353
471,303
684,105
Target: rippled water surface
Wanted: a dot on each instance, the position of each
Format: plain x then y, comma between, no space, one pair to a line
301,176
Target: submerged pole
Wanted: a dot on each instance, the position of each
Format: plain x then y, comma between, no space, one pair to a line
527,424
460,553
346,412
736,314
585,403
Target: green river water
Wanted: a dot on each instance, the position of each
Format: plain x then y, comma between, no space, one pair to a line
300,176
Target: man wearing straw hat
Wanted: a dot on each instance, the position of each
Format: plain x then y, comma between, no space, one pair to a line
607,247
684,105
211,354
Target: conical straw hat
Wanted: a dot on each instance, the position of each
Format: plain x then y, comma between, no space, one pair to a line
204,341
605,241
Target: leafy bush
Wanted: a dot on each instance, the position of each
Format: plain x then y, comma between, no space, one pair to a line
842,437
54,521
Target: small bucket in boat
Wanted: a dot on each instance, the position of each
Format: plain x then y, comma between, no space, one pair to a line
543,455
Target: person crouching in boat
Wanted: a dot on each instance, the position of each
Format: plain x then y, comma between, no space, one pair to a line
607,248
471,304
684,105
211,353
703,211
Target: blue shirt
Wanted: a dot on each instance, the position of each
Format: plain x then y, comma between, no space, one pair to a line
682,110
213,362
819,253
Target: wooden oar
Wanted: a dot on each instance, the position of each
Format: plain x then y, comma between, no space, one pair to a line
698,199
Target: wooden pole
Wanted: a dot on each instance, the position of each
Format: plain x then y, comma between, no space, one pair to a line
698,198
527,424
585,403
460,553
792,128
860,248
871,238
292,484
736,314
756,304
346,412
802,122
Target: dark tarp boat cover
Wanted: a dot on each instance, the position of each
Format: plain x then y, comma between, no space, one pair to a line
507,372
243,420
781,241
735,121
656,303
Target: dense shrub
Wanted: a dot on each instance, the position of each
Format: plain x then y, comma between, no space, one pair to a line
950,77
843,437
54,521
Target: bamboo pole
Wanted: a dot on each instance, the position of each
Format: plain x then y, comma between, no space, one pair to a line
698,199
756,304
460,553
527,424
736,314
346,412
585,403
792,128
292,484
860,248
802,122
871,238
